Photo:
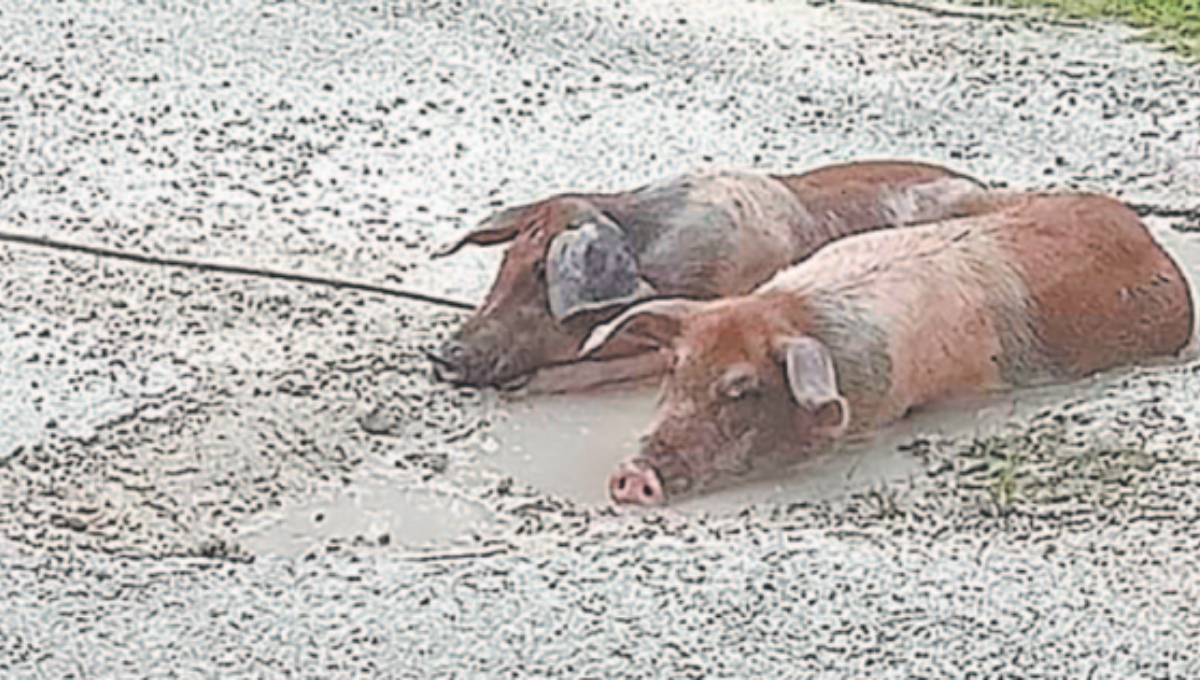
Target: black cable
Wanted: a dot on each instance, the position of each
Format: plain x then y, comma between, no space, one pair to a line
42,242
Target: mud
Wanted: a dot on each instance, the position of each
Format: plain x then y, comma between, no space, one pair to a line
171,438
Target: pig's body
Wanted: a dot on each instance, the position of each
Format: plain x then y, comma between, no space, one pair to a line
718,234
578,260
1050,287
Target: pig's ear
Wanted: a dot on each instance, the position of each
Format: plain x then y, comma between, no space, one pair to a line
499,228
592,267
655,321
813,381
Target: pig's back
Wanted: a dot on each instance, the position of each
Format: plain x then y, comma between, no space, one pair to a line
946,311
857,197
1050,287
1103,292
714,234
722,233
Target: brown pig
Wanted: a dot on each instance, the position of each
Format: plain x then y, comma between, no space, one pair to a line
1043,288
577,260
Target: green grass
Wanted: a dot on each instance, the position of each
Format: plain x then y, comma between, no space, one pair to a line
1041,466
1173,22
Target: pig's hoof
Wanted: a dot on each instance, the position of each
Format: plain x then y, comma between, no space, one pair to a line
635,484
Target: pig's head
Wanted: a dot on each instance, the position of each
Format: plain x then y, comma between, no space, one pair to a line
568,267
743,394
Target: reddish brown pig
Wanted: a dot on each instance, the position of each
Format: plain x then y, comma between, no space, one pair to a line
577,260
1045,288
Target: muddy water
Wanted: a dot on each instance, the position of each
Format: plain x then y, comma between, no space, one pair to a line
370,510
566,446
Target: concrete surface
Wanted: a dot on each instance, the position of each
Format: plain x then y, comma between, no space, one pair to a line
214,476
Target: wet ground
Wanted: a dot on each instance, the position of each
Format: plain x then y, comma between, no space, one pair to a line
209,475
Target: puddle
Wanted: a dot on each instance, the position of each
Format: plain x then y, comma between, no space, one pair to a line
567,445
375,511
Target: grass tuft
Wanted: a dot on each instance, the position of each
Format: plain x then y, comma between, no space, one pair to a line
1040,466
1175,23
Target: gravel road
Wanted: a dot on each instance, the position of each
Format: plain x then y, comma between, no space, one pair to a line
206,475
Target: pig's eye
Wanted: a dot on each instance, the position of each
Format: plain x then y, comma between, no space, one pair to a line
744,394
739,386
539,269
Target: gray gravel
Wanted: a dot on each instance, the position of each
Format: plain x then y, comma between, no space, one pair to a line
160,422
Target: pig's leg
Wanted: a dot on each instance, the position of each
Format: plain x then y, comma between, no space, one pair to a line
640,370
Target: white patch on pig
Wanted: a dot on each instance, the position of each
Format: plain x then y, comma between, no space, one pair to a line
952,307
927,202
717,233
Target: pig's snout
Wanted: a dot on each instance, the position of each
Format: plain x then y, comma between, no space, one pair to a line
469,362
449,361
635,484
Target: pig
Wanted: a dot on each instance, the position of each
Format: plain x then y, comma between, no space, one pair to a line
577,260
1045,287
